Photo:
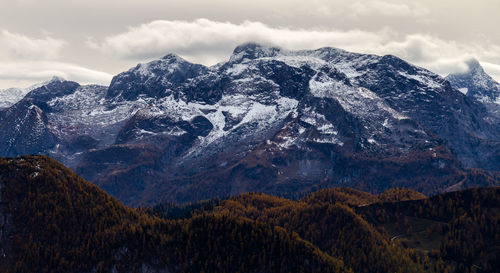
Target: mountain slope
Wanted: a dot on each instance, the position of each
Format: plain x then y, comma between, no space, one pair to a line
464,225
54,221
334,228
276,107
397,231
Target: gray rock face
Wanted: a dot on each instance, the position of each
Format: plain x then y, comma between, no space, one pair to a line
266,120
482,150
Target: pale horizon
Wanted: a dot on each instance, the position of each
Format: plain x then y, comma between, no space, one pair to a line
90,41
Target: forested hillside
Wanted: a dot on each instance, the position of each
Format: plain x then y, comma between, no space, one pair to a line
51,220
54,221
399,230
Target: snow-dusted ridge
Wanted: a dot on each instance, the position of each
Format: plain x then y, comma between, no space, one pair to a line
245,97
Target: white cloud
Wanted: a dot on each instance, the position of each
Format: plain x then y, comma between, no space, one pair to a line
24,73
18,46
442,56
206,39
26,60
208,42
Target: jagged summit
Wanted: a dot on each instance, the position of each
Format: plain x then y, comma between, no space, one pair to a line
173,57
56,79
153,79
476,83
253,51
167,63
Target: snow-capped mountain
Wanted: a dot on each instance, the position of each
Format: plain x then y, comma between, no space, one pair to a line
10,96
476,83
267,120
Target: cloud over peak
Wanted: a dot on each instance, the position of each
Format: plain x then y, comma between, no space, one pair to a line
207,41
438,35
210,41
26,60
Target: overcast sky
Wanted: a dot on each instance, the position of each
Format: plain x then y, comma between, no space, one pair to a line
90,40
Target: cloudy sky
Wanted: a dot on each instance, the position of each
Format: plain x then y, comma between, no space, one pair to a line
90,40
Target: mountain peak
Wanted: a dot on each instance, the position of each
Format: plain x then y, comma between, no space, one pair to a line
473,64
172,57
253,51
168,62
55,79
475,82
474,67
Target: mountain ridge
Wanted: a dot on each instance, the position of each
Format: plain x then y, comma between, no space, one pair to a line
269,120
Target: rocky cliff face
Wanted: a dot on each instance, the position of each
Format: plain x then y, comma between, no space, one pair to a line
266,120
481,88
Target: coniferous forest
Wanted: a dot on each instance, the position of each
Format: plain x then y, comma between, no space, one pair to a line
51,220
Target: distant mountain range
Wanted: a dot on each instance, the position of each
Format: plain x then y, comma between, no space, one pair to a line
270,120
10,96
